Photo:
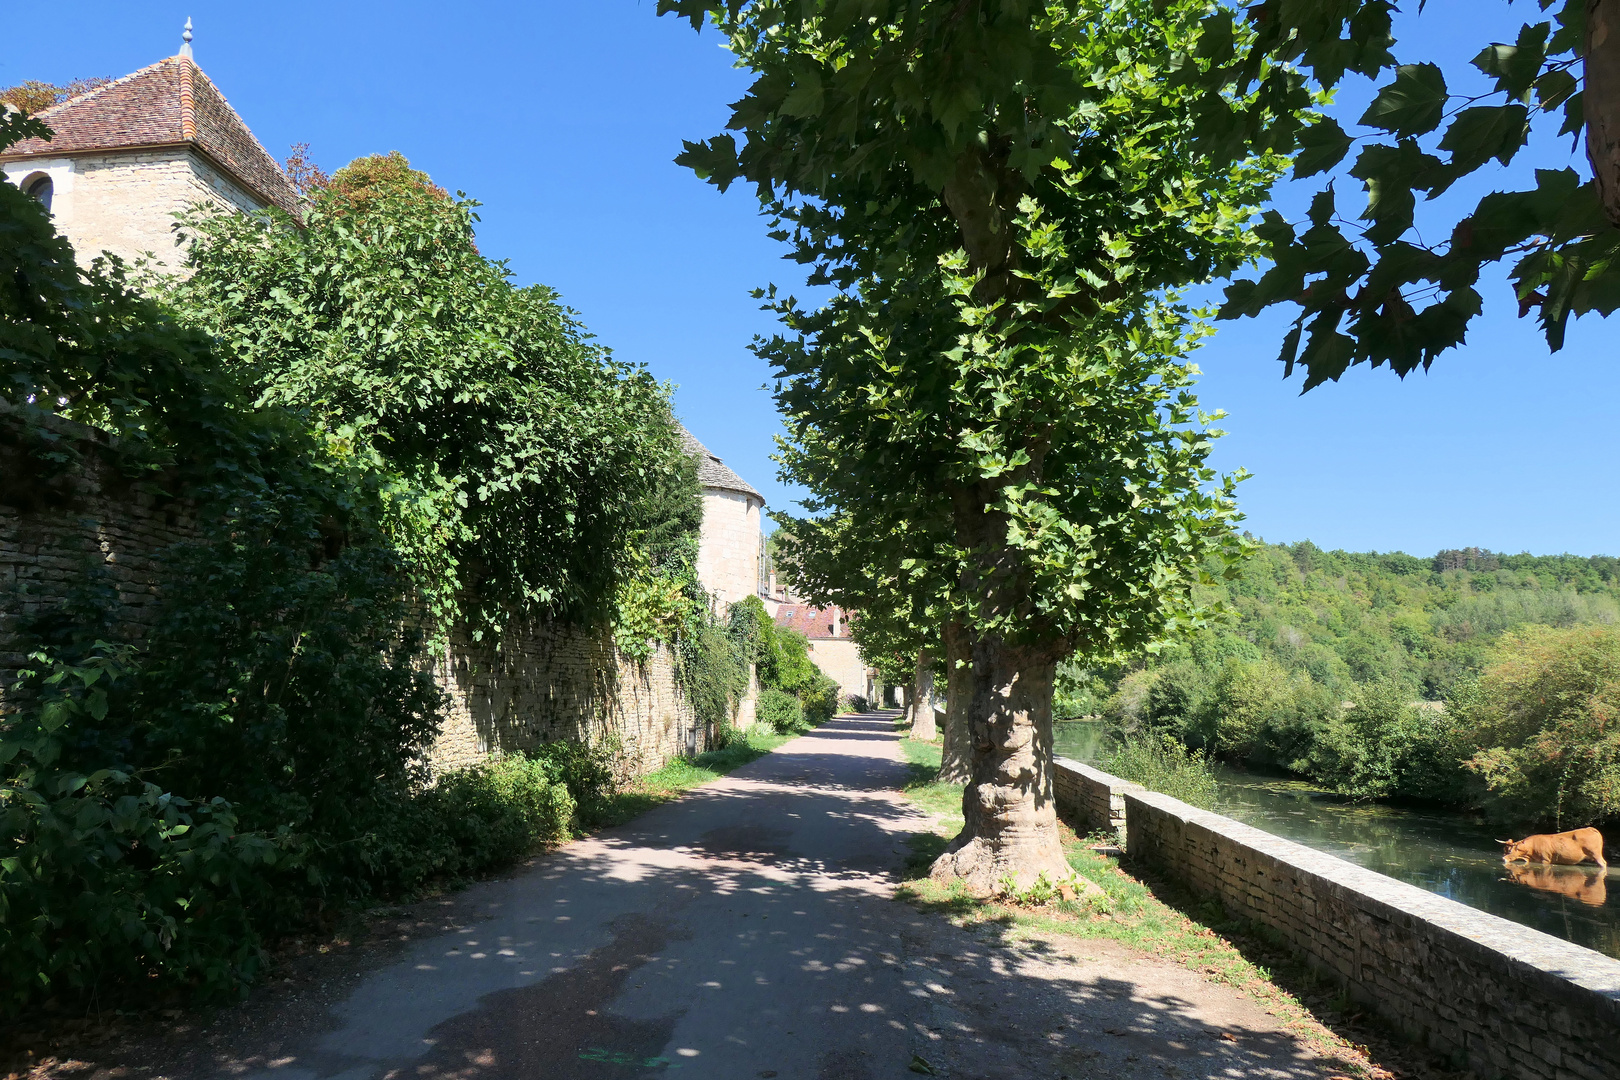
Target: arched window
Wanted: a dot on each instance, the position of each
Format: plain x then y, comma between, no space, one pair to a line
40,187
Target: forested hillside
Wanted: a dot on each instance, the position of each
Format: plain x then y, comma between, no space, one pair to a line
1353,617
1382,675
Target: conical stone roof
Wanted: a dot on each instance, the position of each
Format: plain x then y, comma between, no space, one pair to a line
712,472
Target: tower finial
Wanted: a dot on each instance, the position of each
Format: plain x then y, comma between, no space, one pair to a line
185,38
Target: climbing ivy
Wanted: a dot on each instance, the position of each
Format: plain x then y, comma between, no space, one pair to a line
530,474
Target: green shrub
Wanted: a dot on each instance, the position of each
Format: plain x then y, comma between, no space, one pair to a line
1164,764
106,878
589,772
819,701
487,815
855,703
1385,745
1539,729
780,710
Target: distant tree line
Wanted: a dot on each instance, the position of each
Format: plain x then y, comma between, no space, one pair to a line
1388,675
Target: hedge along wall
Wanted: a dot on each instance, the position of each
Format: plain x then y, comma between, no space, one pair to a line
548,682
1507,1000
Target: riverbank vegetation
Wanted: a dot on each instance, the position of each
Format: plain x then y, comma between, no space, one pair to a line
1471,679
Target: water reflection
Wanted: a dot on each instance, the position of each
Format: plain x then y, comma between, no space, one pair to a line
1452,854
1588,885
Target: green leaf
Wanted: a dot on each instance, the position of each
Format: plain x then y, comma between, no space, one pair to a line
805,99
1322,146
1411,105
1484,132
1515,67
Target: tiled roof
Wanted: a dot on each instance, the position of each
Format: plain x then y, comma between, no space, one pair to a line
815,623
170,103
712,472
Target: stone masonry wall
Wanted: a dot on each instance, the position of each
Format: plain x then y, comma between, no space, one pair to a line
56,529
545,683
1506,1000
1089,799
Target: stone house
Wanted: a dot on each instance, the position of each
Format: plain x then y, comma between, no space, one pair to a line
832,650
124,157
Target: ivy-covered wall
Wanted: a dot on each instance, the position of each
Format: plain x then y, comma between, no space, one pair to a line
545,682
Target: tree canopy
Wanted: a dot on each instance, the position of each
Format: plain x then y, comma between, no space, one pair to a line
536,475
1370,288
1000,193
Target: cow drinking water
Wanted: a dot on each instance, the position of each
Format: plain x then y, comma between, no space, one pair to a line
1565,848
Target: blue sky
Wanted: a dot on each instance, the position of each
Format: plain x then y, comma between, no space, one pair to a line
563,119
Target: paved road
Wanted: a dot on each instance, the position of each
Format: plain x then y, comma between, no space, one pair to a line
747,931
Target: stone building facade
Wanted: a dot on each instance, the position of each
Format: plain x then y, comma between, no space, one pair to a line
729,544
832,650
124,157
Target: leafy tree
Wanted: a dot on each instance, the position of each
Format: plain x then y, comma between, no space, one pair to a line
1540,726
33,95
1374,290
535,475
1000,192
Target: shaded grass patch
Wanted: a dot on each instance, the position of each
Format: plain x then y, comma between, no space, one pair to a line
681,775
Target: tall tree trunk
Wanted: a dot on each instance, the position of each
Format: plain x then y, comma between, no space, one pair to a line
1011,821
922,705
1600,98
956,760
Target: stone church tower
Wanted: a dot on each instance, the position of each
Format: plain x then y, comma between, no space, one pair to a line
124,157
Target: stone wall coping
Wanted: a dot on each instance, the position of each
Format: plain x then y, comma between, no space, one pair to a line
1097,776
1515,949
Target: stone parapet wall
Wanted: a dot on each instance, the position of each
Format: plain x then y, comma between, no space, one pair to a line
1089,799
1501,998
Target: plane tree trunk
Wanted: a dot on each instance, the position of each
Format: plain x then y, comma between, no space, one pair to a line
956,759
1011,821
1010,830
922,700
1601,100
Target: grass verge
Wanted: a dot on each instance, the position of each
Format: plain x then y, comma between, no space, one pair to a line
681,775
1150,916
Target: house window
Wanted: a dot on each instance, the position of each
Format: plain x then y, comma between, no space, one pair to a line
40,187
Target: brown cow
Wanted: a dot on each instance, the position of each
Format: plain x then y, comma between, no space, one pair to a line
1588,886
1565,848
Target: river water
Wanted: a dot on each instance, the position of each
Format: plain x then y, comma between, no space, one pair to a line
1453,854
